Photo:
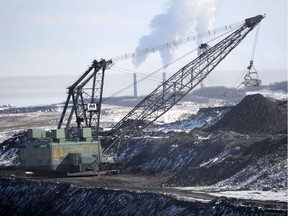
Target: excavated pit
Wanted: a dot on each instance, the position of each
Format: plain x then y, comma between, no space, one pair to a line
245,149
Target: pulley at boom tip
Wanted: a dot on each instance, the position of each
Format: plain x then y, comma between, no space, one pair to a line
253,21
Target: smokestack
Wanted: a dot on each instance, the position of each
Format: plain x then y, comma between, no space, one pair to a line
164,76
164,80
135,85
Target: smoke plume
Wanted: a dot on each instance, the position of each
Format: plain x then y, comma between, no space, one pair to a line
179,17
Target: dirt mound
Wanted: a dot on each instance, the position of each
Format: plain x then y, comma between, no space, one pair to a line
254,114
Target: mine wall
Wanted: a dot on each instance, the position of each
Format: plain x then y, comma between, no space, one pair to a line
24,197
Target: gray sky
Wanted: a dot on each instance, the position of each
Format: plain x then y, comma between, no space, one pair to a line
46,44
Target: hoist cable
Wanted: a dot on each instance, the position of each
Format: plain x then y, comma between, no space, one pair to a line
255,42
251,62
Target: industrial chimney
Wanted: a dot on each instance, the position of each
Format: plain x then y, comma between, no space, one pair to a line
135,85
164,76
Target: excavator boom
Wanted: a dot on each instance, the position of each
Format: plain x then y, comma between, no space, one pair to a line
164,97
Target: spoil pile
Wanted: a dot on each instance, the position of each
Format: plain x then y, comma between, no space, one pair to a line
254,114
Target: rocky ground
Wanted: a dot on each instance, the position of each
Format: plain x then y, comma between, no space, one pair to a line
22,197
226,148
246,149
223,158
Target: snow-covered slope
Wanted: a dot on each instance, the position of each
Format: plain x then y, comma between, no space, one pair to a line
226,158
18,119
205,117
20,197
182,147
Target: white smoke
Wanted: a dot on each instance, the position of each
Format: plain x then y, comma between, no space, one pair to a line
174,23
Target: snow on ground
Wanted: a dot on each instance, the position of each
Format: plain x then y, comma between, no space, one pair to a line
110,115
181,111
222,156
187,198
113,113
279,195
277,95
185,109
4,135
13,123
262,174
201,119
9,157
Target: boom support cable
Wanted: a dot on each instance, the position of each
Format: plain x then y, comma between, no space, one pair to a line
147,76
175,43
231,28
164,97
255,42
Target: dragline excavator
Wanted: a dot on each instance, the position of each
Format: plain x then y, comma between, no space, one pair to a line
83,152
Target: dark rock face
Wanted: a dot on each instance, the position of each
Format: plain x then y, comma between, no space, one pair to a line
254,114
249,141
202,159
20,197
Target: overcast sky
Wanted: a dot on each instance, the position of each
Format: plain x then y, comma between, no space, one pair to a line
46,44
